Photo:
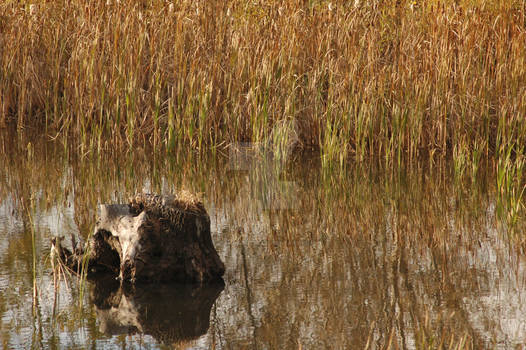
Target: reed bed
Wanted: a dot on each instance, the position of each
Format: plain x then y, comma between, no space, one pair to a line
391,80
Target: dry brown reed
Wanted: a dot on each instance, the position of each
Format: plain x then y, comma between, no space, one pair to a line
392,80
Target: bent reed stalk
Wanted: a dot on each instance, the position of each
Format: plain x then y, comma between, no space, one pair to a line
391,80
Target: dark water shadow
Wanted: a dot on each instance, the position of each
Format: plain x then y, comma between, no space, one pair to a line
170,313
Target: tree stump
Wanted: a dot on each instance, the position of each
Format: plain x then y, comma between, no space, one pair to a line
154,238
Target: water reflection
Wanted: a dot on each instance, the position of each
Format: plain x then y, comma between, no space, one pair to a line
360,259
170,313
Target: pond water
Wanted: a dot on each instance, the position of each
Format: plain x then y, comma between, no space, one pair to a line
315,259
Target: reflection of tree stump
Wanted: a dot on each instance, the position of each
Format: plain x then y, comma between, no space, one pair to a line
171,313
153,238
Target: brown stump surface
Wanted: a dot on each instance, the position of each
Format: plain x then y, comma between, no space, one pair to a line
154,238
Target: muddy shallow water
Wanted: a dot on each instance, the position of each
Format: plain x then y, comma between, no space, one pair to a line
361,258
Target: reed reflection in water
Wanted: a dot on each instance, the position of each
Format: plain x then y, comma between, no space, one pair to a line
364,258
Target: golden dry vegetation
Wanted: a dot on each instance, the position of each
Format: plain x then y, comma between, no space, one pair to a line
389,80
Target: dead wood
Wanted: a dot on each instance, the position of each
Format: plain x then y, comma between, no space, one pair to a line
153,238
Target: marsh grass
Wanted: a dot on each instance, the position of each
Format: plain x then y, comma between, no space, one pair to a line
60,273
29,210
34,258
392,80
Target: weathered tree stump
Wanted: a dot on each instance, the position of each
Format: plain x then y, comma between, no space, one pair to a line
152,239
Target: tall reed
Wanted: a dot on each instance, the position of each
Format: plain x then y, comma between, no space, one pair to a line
29,206
392,80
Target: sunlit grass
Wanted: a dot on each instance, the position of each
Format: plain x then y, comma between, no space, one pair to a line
392,80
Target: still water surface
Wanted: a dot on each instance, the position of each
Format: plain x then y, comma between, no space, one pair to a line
362,258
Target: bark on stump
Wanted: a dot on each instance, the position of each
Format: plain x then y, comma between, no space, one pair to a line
152,239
